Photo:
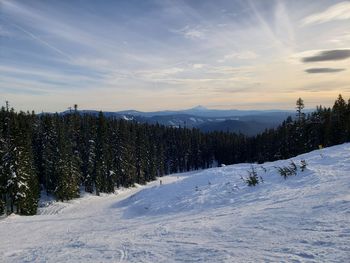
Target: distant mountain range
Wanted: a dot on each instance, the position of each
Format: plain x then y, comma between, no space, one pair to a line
202,111
248,122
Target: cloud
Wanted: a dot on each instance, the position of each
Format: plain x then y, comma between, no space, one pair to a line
243,55
253,87
91,62
36,38
342,39
158,74
328,55
198,66
113,53
191,32
14,90
324,86
324,70
340,11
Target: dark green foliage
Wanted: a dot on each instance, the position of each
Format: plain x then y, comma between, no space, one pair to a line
303,165
253,179
60,153
67,186
292,166
19,182
289,170
300,106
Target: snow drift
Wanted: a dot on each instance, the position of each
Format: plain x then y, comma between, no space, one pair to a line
202,216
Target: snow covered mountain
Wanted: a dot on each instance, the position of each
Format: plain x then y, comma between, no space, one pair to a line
201,111
202,216
246,122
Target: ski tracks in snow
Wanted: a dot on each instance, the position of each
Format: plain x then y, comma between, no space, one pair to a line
202,216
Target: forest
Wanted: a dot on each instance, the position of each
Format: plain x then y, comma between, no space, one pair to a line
64,154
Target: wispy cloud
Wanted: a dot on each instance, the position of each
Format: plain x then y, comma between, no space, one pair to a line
198,66
191,32
12,89
243,55
324,70
43,42
116,54
339,11
341,39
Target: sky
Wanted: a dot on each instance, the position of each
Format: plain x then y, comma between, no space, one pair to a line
172,54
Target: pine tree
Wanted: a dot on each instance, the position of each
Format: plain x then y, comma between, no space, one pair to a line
300,106
125,161
101,165
75,141
68,181
10,160
140,156
339,112
88,152
90,167
48,138
299,138
27,188
2,154
64,151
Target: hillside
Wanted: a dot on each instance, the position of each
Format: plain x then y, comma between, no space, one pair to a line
202,216
207,120
249,128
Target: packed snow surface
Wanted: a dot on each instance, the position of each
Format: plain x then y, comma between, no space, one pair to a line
203,216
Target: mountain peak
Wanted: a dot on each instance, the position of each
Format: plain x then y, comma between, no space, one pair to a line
199,108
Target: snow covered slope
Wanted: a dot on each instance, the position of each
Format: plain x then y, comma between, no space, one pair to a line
204,216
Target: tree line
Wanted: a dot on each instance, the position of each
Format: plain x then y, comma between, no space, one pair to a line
63,154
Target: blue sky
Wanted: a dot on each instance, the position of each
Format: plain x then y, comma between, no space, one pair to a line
159,54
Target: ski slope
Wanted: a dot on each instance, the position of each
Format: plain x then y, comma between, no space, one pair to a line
203,216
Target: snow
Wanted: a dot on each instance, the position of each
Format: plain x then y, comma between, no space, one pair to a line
196,120
202,216
128,118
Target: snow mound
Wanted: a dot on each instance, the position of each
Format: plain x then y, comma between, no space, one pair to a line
215,188
202,216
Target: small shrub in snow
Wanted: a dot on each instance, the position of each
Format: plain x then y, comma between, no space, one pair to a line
289,170
286,171
293,166
303,165
253,179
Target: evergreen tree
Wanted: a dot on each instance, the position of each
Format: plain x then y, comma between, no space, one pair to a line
300,106
101,164
67,184
299,138
62,152
338,119
10,160
48,140
27,188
